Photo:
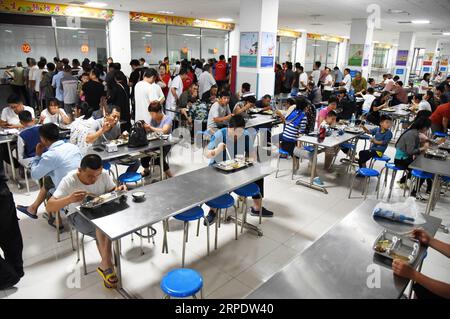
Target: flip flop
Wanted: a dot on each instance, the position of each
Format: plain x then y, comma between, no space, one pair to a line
107,276
51,221
24,210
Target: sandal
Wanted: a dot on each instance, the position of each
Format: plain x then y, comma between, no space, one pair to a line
24,210
110,279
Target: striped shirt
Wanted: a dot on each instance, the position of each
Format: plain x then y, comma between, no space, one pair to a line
296,123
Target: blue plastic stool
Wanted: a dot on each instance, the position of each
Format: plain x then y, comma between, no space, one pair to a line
205,135
130,177
395,169
192,214
223,202
367,173
364,138
181,283
280,153
249,190
416,176
383,158
440,134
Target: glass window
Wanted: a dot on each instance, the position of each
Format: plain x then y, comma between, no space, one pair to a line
80,38
213,43
380,57
184,43
285,49
148,41
309,59
332,54
320,51
41,41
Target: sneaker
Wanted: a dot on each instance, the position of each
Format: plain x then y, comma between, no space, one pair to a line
264,213
403,185
317,181
212,216
422,198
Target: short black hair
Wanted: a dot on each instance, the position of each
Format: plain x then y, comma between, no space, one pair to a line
49,131
332,99
224,94
135,62
249,99
332,114
51,66
385,117
41,64
221,57
25,117
154,107
237,121
347,69
318,64
290,101
67,68
183,71
267,96
14,98
96,72
92,161
53,101
400,83
150,73
246,86
371,90
297,65
343,91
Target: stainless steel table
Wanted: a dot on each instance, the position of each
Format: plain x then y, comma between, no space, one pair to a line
436,167
340,264
169,198
8,139
257,120
328,142
125,151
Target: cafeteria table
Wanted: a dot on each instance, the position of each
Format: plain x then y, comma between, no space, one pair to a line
125,151
166,199
328,142
258,120
434,166
8,139
342,264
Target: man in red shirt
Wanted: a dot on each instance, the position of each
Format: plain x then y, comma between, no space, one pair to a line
221,72
189,79
439,118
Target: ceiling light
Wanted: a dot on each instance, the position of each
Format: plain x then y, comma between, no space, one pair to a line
148,35
445,33
396,11
81,31
420,21
225,20
9,31
300,30
316,24
94,4
197,21
190,35
74,36
165,12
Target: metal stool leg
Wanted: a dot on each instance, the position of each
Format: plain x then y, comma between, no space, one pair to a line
207,233
278,166
184,243
394,174
351,185
198,227
83,255
378,185
141,242
244,213
235,223
366,187
78,245
385,175
58,223
217,229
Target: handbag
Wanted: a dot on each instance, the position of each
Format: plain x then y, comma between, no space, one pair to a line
138,135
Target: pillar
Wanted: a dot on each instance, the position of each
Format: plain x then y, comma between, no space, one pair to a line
405,53
430,58
300,55
360,50
120,40
258,22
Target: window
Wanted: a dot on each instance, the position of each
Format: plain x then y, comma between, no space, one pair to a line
148,41
380,57
184,43
323,51
285,49
214,43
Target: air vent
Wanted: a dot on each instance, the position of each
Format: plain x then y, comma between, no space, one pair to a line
404,22
316,24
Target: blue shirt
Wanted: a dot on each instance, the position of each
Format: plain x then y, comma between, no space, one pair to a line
243,146
60,159
56,83
380,136
339,76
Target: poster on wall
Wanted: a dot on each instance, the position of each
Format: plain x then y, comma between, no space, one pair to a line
355,56
402,57
248,51
268,43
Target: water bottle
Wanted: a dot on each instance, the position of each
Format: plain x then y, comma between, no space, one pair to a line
353,120
322,133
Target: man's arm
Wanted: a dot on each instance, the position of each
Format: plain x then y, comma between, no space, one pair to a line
42,165
445,123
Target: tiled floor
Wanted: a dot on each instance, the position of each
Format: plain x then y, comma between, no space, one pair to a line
233,271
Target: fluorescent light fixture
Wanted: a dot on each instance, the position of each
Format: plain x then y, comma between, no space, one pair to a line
74,36
420,21
443,33
316,45
197,21
81,31
148,35
300,30
190,35
95,4
165,12
9,31
225,20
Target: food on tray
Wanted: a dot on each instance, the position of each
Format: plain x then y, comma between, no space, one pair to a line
383,245
389,109
398,256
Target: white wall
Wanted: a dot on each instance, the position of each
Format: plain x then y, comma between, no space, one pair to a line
120,40
301,49
234,41
342,56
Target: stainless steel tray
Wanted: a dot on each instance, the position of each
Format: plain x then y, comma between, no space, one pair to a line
118,142
232,165
436,154
396,246
93,202
353,130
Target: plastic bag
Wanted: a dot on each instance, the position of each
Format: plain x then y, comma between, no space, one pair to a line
408,209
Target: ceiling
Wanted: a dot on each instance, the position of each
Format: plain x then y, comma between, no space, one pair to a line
318,16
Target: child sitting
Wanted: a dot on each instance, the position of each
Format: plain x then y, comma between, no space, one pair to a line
382,135
27,139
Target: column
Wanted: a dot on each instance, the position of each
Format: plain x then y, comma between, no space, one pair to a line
405,53
258,22
301,49
120,40
360,50
342,56
430,58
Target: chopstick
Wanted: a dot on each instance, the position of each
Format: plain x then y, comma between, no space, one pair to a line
228,153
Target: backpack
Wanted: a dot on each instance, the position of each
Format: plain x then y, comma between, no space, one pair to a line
138,135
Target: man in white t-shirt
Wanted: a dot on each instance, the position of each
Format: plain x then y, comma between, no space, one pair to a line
316,73
424,84
303,79
347,81
205,80
389,83
368,99
419,104
90,179
145,93
10,114
327,84
175,91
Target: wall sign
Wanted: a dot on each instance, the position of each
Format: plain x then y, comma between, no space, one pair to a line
355,55
402,57
148,49
26,47
84,48
248,50
268,44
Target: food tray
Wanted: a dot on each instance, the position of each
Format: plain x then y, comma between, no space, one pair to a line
389,109
93,202
254,111
153,137
394,246
445,146
119,142
268,112
232,165
436,154
353,130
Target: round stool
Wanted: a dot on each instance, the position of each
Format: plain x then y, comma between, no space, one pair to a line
383,158
249,190
440,134
195,213
395,169
223,202
416,176
130,177
181,283
280,153
367,173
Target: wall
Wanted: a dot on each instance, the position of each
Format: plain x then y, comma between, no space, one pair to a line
120,41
